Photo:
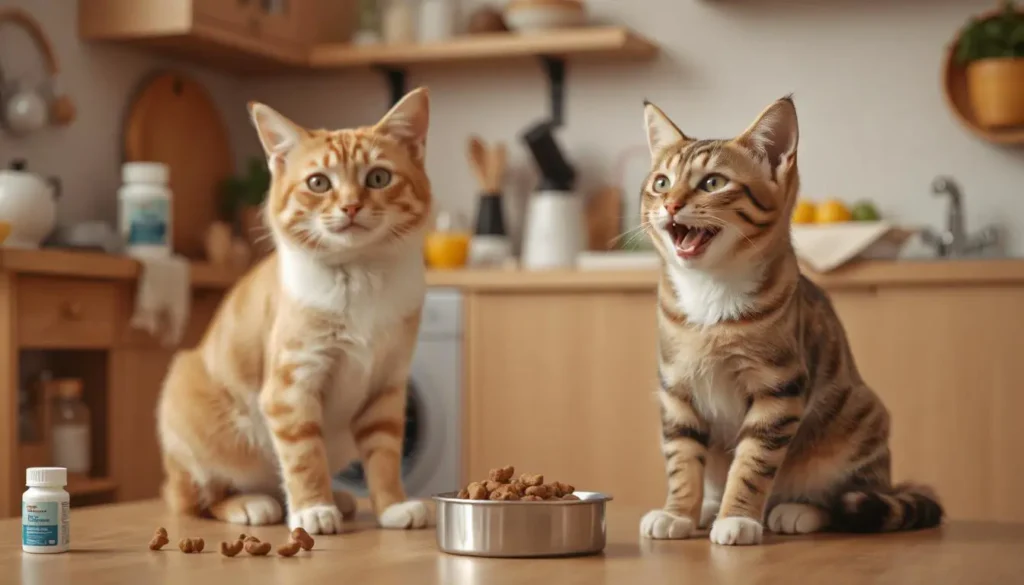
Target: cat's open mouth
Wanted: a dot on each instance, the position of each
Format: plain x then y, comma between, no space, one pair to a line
691,241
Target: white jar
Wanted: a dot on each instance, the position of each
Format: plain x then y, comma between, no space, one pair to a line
437,20
144,217
399,25
46,511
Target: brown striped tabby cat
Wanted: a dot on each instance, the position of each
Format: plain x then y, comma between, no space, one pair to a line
764,414
304,366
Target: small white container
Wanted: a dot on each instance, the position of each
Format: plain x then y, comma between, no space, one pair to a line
554,233
399,23
145,218
46,511
437,20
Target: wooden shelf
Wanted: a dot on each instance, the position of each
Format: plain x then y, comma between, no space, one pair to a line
80,485
610,42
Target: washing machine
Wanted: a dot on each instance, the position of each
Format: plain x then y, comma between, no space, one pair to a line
431,449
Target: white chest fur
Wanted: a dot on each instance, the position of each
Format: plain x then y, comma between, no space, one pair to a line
369,297
707,298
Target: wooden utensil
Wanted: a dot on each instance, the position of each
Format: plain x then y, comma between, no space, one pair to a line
173,120
604,218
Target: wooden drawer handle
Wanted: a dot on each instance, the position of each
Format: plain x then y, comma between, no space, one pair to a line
71,310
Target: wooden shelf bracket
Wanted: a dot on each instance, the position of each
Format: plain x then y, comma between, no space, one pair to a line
396,82
555,69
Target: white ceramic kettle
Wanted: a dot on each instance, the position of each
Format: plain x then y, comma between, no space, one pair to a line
28,203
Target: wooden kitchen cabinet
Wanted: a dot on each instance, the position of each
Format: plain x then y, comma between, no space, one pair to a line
69,313
560,376
243,35
562,383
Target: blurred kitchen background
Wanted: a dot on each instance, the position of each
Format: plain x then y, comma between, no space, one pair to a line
540,316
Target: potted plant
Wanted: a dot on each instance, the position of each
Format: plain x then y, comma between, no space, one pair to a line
992,50
242,198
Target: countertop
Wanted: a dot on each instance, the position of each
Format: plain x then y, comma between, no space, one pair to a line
109,545
866,274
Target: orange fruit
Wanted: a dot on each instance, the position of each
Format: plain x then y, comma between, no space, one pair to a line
832,211
804,212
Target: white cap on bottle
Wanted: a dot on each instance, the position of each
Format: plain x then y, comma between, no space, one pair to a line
46,477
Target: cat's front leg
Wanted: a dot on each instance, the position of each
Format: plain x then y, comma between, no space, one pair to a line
291,401
378,430
684,442
769,425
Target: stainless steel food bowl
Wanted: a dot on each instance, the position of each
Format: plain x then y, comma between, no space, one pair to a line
486,528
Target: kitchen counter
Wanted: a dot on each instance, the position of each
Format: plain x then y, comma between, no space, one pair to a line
69,263
109,545
866,274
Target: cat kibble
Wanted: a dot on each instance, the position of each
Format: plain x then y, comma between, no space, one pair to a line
528,487
250,538
476,491
230,550
159,539
502,474
302,537
531,480
186,546
257,549
289,550
198,544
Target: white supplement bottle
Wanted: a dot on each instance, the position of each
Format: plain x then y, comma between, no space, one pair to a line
45,511
145,209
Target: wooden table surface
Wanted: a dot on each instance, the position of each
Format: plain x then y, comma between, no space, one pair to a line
109,545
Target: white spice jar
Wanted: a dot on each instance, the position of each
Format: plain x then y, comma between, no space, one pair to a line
399,23
437,20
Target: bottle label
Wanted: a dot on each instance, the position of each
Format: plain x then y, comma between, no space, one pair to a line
147,222
44,523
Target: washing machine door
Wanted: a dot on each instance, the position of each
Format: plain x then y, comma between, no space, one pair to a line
420,448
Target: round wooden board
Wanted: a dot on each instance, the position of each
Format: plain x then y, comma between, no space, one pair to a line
173,120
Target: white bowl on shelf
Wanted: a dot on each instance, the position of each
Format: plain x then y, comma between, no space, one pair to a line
528,16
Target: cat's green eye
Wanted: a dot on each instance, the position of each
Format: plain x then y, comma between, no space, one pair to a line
661,184
713,182
378,178
318,183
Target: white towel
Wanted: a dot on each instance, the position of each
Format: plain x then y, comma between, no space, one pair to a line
162,302
829,246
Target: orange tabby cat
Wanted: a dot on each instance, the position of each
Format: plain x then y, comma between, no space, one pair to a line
304,367
765,418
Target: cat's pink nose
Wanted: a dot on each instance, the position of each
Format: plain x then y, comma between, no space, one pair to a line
351,209
673,208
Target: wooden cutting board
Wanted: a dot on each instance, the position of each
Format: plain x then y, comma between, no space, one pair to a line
173,120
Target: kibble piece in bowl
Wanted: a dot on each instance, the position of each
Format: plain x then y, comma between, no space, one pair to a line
500,486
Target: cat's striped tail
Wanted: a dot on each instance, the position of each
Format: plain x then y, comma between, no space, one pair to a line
901,507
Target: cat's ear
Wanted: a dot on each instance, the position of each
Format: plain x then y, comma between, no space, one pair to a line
278,134
661,132
409,119
775,133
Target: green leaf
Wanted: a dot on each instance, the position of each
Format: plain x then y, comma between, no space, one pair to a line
1001,35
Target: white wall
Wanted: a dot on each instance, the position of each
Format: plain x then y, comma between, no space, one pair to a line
865,73
100,79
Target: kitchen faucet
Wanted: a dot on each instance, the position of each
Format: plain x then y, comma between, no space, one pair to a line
955,241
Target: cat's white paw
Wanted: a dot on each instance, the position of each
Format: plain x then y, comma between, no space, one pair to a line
410,514
708,511
736,530
319,519
254,510
659,524
796,519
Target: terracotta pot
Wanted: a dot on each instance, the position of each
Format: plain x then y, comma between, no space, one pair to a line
996,90
254,231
